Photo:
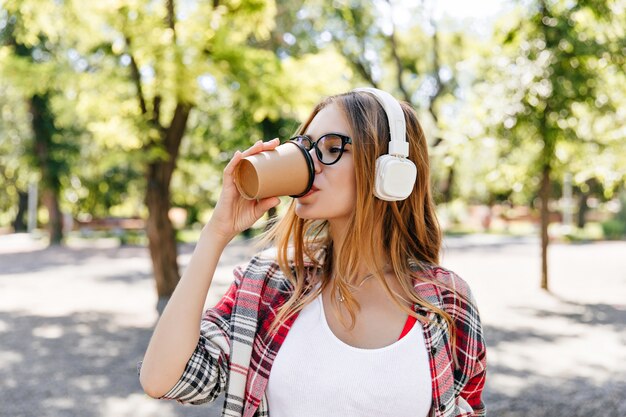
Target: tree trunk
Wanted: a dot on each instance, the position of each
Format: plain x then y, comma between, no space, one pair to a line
55,220
544,195
446,190
161,235
159,228
582,210
19,223
43,130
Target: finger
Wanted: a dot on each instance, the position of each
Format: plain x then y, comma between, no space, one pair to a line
271,144
230,167
266,204
256,148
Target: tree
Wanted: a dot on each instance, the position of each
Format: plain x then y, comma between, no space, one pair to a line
551,70
170,59
415,59
164,90
15,172
32,52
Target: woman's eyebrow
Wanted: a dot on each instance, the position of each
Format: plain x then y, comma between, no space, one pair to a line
330,132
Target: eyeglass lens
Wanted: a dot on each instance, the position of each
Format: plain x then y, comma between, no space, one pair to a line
329,147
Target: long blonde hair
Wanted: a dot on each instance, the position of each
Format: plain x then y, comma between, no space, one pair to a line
406,233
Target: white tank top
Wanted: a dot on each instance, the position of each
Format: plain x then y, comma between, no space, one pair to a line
315,374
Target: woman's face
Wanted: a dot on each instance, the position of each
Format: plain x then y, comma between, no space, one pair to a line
333,194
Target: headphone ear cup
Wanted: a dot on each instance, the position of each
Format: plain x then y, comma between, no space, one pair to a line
395,178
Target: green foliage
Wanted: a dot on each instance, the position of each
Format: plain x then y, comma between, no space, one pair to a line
553,91
614,229
15,170
549,87
34,71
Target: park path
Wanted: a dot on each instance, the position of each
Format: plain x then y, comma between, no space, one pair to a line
74,322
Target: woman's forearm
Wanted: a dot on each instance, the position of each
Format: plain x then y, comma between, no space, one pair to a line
178,329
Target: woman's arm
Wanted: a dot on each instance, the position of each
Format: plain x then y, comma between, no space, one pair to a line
178,330
470,350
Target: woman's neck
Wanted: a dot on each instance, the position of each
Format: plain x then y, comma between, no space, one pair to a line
337,233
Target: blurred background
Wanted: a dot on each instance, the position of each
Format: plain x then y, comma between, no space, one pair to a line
117,118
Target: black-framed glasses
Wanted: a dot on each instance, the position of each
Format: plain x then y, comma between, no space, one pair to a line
328,148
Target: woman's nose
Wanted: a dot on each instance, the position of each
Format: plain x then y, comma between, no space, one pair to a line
317,165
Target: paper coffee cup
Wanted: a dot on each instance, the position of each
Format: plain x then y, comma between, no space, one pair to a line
286,170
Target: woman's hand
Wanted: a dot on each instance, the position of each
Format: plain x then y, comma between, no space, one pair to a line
233,214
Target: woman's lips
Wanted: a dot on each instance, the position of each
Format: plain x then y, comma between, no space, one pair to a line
311,191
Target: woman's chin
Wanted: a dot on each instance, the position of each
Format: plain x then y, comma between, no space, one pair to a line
304,211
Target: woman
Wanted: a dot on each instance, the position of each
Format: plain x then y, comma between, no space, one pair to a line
350,316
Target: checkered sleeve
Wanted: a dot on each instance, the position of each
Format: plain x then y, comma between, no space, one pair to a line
471,351
470,369
206,373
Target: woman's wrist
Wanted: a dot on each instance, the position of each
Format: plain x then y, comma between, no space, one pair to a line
213,232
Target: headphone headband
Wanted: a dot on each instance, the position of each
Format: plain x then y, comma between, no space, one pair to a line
398,145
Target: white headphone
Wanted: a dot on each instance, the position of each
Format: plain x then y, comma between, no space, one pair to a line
395,173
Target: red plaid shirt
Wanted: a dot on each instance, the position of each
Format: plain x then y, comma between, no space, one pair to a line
235,352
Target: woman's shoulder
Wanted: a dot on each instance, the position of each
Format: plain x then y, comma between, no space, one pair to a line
259,266
269,257
452,280
450,290
264,264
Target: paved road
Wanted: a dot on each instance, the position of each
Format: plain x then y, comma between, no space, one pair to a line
74,321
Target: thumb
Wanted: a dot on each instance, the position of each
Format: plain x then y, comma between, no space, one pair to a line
267,203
